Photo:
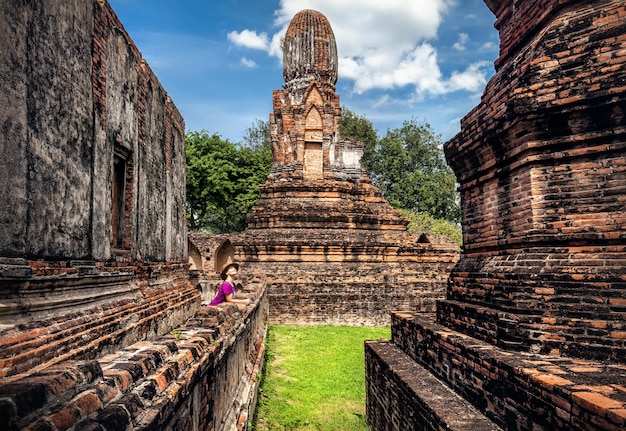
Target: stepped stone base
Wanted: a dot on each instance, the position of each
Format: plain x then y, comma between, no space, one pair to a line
94,309
202,375
324,203
517,390
342,276
417,400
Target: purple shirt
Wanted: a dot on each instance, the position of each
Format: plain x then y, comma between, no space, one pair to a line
227,288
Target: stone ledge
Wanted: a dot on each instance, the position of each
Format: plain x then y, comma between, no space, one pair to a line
137,387
519,389
428,403
597,339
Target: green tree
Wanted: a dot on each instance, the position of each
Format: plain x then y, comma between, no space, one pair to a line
409,167
257,136
359,128
424,222
222,181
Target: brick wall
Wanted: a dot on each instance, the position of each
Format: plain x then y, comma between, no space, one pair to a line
101,325
541,168
341,277
516,390
531,333
519,20
203,375
81,104
76,93
79,311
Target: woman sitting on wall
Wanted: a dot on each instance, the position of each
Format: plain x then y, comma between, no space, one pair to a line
228,289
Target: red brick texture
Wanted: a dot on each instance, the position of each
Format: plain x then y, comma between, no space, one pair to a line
516,390
160,297
190,378
542,175
531,334
341,276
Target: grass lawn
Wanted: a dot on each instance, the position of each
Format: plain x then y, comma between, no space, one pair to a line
314,378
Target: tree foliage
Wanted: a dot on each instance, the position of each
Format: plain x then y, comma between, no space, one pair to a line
257,137
424,222
409,167
223,181
359,128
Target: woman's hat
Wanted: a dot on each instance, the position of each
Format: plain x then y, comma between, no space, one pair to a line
227,264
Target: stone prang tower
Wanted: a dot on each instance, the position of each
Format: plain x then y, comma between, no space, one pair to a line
336,251
306,115
314,168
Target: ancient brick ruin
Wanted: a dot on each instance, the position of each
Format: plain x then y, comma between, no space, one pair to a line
335,251
531,335
100,320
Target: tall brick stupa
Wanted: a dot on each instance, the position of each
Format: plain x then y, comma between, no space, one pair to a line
316,180
335,250
532,333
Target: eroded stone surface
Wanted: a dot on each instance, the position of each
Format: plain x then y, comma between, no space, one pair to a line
532,330
542,174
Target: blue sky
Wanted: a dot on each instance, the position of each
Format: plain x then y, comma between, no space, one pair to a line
219,60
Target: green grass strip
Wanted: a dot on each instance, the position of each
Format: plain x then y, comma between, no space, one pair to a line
314,378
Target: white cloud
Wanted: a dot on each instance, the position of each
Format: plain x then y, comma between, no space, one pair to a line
382,45
460,45
489,46
249,39
248,63
471,79
276,45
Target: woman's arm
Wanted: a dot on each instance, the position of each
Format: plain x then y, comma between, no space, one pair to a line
229,298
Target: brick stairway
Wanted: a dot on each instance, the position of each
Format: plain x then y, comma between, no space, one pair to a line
515,390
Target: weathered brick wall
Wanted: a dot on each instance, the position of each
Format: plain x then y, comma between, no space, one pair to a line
518,20
354,293
101,325
516,390
73,310
324,205
79,105
531,335
341,277
203,375
75,91
47,116
404,396
542,172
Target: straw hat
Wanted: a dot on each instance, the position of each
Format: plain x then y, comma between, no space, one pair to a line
227,263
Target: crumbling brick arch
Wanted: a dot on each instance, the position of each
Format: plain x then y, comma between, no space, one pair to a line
195,257
224,254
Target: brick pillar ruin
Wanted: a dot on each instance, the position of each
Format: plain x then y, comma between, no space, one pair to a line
335,252
542,172
316,180
532,333
100,320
